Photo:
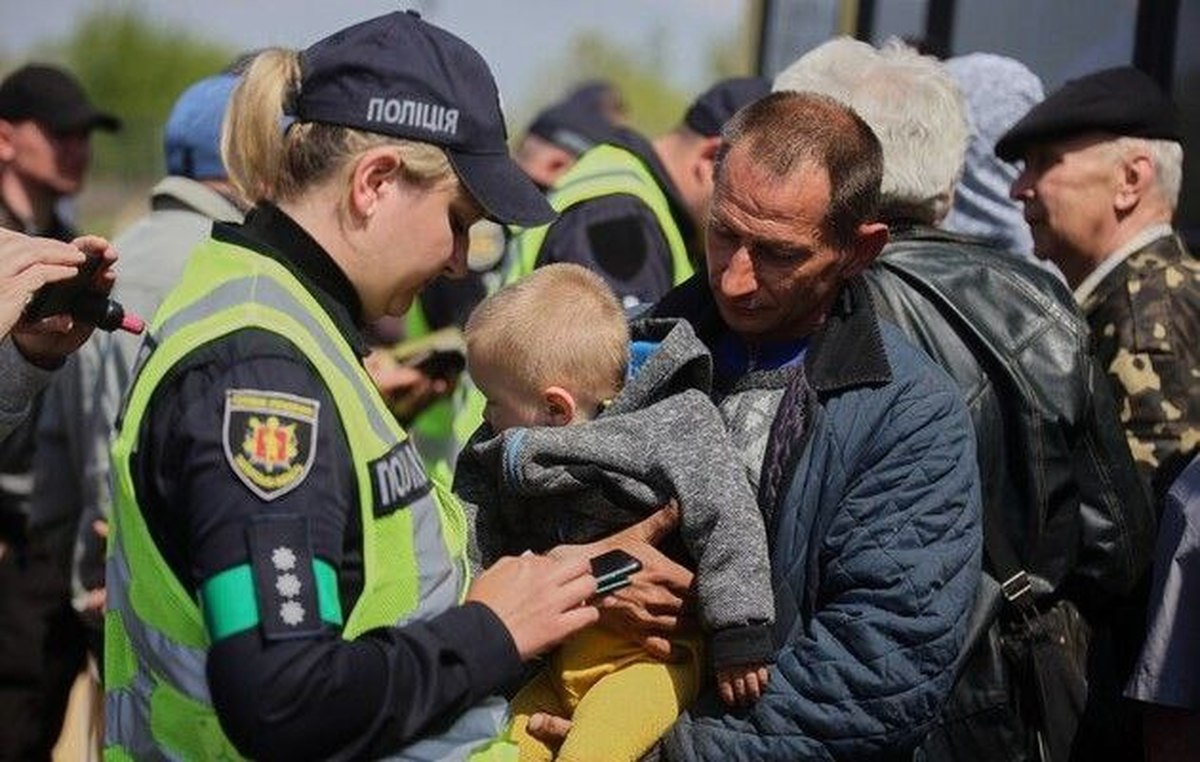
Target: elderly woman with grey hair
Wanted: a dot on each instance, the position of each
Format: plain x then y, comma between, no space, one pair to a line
998,91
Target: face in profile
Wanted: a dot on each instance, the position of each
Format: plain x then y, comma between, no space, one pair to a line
771,268
1067,189
542,161
423,233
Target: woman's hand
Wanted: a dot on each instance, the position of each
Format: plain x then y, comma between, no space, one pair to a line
27,264
407,390
650,608
47,341
541,600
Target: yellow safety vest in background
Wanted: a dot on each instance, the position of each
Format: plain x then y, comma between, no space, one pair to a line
605,170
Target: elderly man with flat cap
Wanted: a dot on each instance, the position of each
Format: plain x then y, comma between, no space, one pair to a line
1103,165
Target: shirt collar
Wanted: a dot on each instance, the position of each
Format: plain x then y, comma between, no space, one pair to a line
272,233
194,195
844,352
1112,261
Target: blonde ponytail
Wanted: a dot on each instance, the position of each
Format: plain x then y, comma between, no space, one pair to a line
252,138
268,163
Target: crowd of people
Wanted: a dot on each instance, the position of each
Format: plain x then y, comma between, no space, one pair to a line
881,381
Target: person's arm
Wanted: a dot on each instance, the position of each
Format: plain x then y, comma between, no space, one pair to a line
26,264
617,237
20,381
284,696
1118,520
677,447
866,675
1166,679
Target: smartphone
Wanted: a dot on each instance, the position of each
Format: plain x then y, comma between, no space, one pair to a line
57,298
447,364
612,570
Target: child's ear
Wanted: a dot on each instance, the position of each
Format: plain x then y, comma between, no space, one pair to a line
558,406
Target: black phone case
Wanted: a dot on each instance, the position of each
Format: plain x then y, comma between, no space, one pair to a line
613,569
57,298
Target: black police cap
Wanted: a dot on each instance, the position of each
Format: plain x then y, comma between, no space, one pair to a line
577,122
717,105
1121,101
52,98
401,76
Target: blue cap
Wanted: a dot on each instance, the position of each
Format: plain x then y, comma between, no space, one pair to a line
401,76
193,134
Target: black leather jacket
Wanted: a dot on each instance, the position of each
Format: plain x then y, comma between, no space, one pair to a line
1062,499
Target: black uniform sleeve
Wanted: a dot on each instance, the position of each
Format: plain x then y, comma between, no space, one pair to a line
619,238
291,688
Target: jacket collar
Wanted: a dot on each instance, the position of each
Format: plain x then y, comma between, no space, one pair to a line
269,231
845,352
58,229
173,192
1169,248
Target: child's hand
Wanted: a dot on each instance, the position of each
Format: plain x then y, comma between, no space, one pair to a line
741,684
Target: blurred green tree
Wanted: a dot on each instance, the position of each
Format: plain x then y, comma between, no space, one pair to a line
654,103
735,54
136,70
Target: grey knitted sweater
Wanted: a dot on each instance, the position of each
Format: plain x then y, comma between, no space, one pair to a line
661,438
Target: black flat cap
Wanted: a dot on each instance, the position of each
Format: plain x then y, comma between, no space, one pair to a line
717,105
1121,101
53,98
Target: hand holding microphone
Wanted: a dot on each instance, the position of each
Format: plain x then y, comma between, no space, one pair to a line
57,293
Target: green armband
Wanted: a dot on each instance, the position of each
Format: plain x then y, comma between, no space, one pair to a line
230,604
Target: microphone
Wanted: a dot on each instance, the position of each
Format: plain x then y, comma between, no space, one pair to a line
105,313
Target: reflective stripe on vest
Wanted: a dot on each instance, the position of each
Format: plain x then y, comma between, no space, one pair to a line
603,171
414,561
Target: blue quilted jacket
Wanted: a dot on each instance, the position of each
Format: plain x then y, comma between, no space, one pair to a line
875,540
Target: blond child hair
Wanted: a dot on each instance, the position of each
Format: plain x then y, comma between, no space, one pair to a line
560,325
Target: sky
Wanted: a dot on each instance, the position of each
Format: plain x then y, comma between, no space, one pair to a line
517,37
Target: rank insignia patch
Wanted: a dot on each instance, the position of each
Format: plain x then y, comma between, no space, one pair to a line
269,439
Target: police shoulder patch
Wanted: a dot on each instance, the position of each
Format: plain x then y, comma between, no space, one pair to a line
269,439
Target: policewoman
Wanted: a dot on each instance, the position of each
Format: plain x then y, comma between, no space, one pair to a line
284,580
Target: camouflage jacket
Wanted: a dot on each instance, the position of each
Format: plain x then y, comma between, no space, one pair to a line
1145,321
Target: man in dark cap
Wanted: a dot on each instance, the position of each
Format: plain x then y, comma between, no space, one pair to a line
564,131
46,121
1103,165
629,208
